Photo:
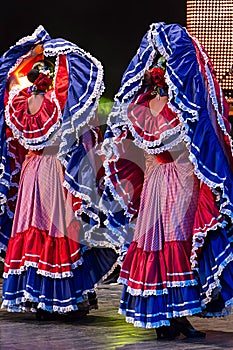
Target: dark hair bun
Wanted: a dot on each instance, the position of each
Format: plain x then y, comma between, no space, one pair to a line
33,74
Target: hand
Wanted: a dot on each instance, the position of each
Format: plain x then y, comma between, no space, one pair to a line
37,50
30,56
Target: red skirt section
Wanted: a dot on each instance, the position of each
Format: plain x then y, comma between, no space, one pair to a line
152,272
53,256
207,217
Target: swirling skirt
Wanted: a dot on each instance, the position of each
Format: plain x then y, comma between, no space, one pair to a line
158,280
46,267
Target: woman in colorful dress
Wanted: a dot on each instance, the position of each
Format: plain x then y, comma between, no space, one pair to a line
49,163
176,194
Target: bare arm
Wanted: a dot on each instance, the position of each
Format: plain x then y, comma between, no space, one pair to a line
26,60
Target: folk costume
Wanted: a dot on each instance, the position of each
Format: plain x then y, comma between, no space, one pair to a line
49,166
169,184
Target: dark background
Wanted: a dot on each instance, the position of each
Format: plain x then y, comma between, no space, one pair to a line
110,31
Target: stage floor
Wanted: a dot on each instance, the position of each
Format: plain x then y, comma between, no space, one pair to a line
104,329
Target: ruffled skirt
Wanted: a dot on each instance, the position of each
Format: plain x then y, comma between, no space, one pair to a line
46,267
158,280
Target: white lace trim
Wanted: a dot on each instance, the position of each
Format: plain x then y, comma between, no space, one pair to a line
114,193
58,309
165,322
213,94
39,142
15,304
82,196
3,198
108,243
150,292
34,36
194,113
200,237
86,208
24,40
77,263
136,77
209,183
11,184
115,265
98,90
45,273
162,50
223,313
216,283
147,325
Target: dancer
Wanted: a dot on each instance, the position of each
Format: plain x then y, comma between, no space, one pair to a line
50,90
176,193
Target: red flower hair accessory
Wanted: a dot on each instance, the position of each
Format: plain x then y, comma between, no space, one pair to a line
157,75
43,82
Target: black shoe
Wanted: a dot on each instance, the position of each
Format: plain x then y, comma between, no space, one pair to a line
184,326
167,333
92,300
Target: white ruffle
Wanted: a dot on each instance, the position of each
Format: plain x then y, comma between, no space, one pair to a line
44,273
213,94
216,283
39,142
199,239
